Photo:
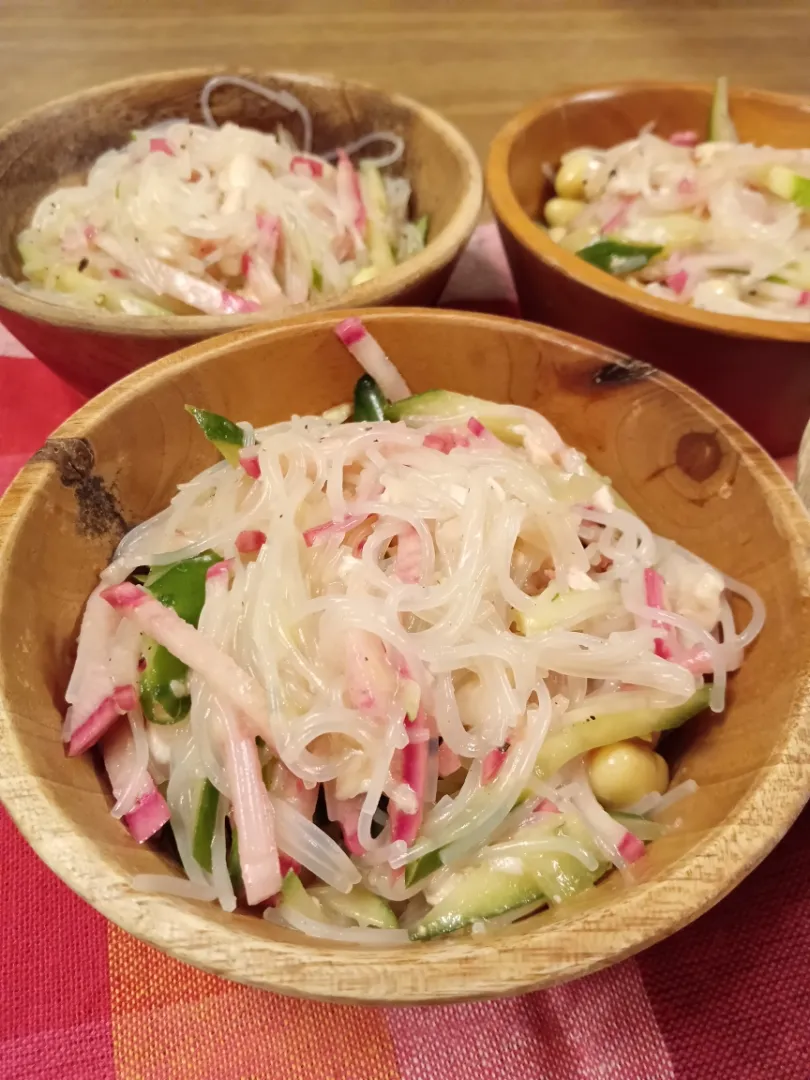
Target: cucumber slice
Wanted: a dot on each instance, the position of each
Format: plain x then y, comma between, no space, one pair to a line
376,202
368,273
721,127
359,905
296,897
639,826
618,258
483,893
369,401
486,892
223,433
561,746
205,819
789,185
570,609
421,867
447,405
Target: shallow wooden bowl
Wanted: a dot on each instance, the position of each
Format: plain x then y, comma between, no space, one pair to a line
691,472
60,141
758,370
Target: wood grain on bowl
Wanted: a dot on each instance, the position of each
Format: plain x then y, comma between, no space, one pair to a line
59,142
686,468
758,370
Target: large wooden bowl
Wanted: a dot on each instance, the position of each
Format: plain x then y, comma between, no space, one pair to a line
758,370
690,470
60,141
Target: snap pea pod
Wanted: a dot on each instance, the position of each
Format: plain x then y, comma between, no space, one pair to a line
618,258
205,819
369,401
180,586
226,436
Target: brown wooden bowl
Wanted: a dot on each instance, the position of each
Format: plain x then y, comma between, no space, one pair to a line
61,140
758,370
691,472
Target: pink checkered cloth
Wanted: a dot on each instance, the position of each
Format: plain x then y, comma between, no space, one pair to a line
726,999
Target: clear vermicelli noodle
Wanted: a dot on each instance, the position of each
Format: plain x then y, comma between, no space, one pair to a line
397,675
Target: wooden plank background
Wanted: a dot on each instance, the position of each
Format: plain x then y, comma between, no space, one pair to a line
477,61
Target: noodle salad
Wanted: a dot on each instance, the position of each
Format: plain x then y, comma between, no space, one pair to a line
195,218
718,224
398,670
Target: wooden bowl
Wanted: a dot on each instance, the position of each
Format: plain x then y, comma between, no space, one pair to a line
758,370
60,141
691,472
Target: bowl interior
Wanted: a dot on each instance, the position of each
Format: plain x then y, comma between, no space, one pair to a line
688,470
603,117
56,145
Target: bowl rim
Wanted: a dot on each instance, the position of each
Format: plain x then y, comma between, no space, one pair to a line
574,944
437,254
536,240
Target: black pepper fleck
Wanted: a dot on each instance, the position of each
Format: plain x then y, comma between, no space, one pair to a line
83,264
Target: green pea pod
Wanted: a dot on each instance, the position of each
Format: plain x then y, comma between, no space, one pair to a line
618,258
369,402
226,436
234,868
180,586
159,702
205,819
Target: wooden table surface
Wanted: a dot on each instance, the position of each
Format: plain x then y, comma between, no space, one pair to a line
477,61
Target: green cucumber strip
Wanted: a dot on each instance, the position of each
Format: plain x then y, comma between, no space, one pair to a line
721,126
422,225
789,185
204,824
369,401
486,892
361,906
295,896
448,405
561,746
421,867
551,609
618,258
317,279
226,436
639,826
